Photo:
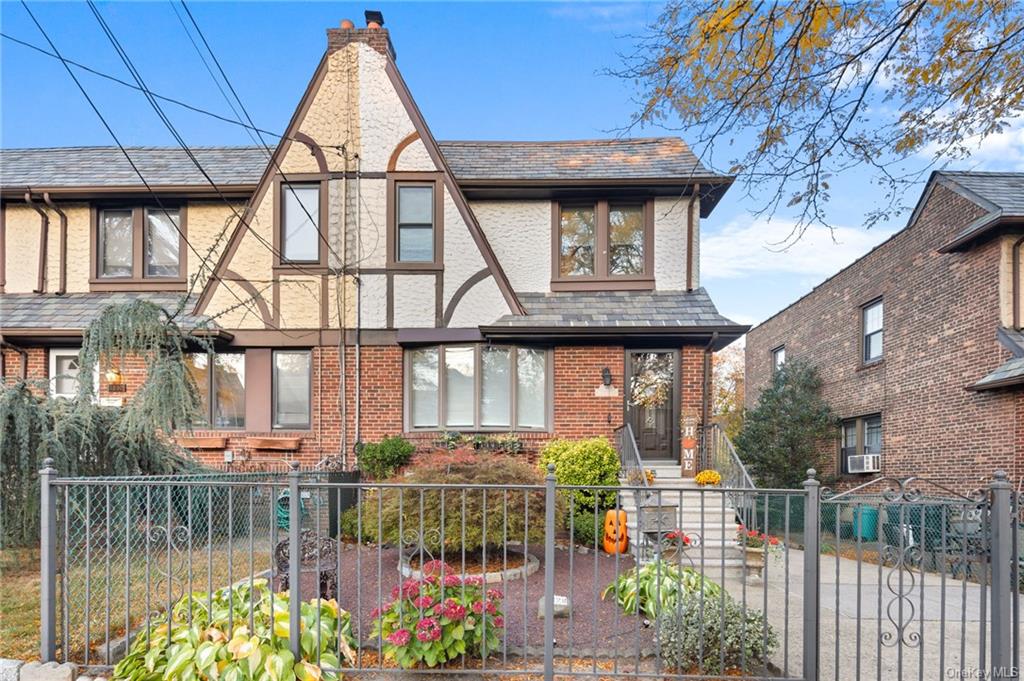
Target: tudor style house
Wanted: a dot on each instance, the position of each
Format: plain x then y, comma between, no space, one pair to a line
919,342
363,279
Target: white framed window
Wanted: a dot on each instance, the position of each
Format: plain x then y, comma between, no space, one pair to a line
872,326
64,368
477,387
292,389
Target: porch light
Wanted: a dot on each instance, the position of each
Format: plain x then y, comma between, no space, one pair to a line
606,376
113,376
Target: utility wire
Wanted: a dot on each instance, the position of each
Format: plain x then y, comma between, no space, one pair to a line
203,261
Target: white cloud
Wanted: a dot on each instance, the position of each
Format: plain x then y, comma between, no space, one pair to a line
603,16
1000,151
746,247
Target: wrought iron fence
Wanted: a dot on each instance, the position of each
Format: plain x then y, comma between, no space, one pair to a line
534,579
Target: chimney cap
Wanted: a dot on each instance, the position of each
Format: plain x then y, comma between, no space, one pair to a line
347,24
374,16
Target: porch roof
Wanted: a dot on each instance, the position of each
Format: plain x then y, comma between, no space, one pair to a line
33,314
594,314
1010,373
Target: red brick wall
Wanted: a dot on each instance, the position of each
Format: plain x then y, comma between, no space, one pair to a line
941,315
577,411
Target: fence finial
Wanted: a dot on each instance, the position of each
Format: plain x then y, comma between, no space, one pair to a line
1000,475
293,465
811,473
48,464
551,469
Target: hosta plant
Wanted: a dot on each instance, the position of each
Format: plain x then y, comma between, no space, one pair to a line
217,642
439,618
656,587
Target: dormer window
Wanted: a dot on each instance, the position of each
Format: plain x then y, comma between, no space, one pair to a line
138,248
602,244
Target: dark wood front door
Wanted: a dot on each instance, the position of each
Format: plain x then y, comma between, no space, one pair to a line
652,401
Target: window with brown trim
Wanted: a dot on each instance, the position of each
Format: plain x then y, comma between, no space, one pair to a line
415,216
860,444
478,388
138,247
300,222
220,378
602,244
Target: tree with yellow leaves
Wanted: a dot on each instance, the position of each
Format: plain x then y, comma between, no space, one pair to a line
815,88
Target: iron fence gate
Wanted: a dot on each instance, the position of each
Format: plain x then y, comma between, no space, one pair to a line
536,579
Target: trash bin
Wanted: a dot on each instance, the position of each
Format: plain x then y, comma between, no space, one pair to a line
865,522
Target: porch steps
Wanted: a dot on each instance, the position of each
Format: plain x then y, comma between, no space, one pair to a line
680,500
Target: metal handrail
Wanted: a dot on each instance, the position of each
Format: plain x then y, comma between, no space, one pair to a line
630,466
722,457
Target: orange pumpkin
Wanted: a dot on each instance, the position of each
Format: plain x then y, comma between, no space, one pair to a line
616,537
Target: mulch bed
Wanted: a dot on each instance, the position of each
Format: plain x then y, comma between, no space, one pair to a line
368,575
473,563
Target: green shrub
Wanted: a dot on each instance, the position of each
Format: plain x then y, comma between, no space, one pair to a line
398,510
586,528
350,529
694,638
200,643
656,588
584,462
380,460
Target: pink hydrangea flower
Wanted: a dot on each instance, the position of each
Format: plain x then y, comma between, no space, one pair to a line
499,621
474,580
427,629
453,610
478,607
424,601
452,580
494,594
399,637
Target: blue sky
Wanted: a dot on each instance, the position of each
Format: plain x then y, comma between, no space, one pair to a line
478,71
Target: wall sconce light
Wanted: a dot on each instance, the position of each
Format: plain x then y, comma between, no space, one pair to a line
606,376
115,380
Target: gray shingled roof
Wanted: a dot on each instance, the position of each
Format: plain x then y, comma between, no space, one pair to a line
1010,373
617,309
660,158
107,166
1002,194
74,311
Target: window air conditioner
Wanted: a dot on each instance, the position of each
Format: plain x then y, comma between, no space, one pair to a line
866,463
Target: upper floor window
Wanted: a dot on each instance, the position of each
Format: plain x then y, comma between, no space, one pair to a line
871,330
415,217
474,387
300,222
137,244
220,378
778,358
603,244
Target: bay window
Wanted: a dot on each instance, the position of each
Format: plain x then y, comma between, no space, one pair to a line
477,387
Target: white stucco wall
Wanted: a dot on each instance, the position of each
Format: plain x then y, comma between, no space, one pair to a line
520,235
374,289
383,121
482,304
670,243
414,301
415,158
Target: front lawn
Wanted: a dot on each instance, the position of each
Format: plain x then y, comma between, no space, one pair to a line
19,604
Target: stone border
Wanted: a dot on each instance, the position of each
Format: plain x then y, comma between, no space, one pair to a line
521,572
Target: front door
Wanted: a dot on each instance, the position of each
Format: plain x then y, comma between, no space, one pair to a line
652,402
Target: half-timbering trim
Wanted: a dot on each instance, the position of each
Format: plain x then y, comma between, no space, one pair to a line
397,153
314,148
462,291
453,187
257,297
264,184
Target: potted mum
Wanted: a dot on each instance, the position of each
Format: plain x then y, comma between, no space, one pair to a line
708,478
755,546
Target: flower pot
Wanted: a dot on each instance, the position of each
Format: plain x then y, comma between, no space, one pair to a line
753,558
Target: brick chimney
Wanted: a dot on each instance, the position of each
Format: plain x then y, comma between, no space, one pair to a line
374,35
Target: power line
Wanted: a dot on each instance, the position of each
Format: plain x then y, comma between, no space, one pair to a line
203,261
177,136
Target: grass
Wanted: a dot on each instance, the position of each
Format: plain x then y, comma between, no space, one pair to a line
19,604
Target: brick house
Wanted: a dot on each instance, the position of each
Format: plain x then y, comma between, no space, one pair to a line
486,287
941,396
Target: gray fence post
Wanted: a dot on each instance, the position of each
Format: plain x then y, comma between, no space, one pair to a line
812,587
1002,589
47,563
294,561
549,573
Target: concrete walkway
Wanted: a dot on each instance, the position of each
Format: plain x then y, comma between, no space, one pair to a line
859,636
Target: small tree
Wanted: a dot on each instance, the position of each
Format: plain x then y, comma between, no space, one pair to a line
727,390
789,430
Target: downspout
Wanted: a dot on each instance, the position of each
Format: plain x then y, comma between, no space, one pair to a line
359,293
24,357
705,401
62,287
689,236
1015,254
44,236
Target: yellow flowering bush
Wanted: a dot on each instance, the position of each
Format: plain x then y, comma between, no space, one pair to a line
708,477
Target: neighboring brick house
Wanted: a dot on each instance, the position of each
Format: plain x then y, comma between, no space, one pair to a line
942,396
463,286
